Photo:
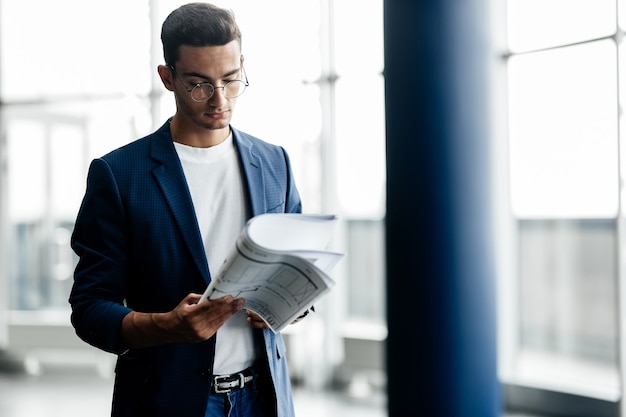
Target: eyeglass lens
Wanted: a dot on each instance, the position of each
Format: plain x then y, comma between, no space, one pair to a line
204,91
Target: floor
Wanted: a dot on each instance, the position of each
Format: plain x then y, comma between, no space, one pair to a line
76,394
63,394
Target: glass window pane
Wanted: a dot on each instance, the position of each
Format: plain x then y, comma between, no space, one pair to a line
361,147
563,132
534,24
26,170
360,95
568,306
359,123
366,269
66,177
282,103
621,15
568,271
49,148
359,49
71,47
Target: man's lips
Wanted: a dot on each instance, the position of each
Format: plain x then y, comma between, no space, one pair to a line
217,115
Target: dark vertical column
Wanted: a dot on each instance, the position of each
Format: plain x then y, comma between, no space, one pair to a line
441,350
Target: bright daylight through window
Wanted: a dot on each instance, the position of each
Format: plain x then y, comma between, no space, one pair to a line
87,87
564,188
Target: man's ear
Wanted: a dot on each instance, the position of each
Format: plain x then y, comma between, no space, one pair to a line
165,72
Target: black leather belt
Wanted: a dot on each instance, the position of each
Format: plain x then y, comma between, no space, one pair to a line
223,384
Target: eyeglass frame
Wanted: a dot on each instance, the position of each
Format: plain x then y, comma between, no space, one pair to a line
199,85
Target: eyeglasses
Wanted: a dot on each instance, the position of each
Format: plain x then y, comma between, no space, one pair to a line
204,91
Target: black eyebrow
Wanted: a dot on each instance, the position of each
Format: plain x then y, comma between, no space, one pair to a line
198,75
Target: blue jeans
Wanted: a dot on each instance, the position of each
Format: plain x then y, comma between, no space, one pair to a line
245,402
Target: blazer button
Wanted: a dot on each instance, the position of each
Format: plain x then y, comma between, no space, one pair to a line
206,372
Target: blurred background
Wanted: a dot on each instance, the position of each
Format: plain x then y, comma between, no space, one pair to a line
78,79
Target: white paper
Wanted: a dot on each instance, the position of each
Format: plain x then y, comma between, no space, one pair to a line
279,265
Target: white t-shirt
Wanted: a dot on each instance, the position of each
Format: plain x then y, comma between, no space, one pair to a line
215,181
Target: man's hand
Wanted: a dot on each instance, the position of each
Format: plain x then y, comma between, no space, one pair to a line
193,322
189,322
256,321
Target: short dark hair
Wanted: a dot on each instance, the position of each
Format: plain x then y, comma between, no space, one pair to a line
197,24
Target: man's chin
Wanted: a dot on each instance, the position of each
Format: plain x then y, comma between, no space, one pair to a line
215,126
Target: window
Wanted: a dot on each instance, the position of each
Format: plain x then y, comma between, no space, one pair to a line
564,195
88,87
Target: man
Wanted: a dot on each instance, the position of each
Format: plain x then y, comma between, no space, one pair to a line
158,217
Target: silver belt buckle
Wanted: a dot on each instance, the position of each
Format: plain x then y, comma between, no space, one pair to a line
233,384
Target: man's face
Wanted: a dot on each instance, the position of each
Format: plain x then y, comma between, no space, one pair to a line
207,64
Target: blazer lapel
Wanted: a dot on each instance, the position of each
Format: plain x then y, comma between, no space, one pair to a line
171,179
253,171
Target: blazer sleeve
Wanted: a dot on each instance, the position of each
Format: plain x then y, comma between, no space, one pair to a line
293,204
97,295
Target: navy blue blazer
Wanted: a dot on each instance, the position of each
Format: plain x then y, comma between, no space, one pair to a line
140,248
